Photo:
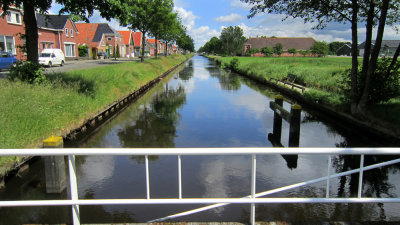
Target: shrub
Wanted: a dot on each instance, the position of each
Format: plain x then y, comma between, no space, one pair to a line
251,51
234,64
268,51
27,72
83,50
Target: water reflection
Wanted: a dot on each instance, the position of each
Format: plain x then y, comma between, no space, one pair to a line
156,125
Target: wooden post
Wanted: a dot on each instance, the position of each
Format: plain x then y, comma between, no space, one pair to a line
54,167
294,132
277,130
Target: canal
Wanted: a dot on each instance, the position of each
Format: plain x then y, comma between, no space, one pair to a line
201,105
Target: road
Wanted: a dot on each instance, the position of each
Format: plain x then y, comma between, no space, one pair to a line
80,64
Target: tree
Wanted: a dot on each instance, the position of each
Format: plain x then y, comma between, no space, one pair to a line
319,48
371,13
292,51
172,31
213,46
107,9
278,49
268,51
251,51
163,18
232,40
185,42
139,15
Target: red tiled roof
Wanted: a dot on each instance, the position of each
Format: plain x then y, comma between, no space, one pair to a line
86,33
137,38
152,41
126,36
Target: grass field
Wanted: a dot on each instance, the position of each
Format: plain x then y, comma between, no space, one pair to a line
322,76
31,113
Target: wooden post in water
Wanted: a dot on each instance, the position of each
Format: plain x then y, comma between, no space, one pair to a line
294,132
54,167
277,130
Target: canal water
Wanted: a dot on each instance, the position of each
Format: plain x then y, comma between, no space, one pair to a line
201,105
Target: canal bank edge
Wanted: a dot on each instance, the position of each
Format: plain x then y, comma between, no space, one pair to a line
372,128
89,124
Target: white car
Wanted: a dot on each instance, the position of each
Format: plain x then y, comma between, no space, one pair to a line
50,57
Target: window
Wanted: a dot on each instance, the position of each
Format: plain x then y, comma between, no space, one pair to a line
69,50
43,45
109,39
66,32
7,44
72,33
14,17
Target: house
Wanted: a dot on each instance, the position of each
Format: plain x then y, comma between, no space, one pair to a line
345,50
152,47
57,31
137,41
388,47
11,27
127,36
101,38
299,43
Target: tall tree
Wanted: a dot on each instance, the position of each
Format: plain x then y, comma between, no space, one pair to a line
163,18
85,9
232,40
186,42
370,12
172,30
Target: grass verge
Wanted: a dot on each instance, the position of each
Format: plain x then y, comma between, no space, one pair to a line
31,113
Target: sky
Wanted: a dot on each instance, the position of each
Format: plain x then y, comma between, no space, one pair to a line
205,19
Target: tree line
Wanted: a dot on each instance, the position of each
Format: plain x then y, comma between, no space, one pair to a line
151,17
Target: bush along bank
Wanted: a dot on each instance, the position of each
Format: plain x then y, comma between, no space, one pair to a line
322,91
65,102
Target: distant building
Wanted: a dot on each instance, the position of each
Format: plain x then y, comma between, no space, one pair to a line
11,27
388,47
299,43
127,36
345,50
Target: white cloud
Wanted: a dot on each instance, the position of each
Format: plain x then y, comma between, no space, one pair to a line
188,18
203,34
233,17
240,4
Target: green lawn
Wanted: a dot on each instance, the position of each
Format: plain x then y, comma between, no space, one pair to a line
30,113
322,76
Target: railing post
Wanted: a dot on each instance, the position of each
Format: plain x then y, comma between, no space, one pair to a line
360,178
277,129
328,181
56,180
294,132
253,188
180,176
74,189
147,177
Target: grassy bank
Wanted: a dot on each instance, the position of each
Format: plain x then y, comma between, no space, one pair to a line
31,113
323,78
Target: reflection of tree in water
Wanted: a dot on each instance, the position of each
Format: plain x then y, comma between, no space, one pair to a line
375,182
97,213
187,72
310,213
227,80
156,126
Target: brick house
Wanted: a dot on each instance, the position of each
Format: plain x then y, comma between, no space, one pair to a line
152,47
137,39
300,43
58,31
100,37
12,26
127,36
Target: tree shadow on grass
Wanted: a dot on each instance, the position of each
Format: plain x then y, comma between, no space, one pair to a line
76,82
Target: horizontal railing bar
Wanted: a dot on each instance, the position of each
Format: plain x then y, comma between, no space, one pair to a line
277,190
198,151
193,201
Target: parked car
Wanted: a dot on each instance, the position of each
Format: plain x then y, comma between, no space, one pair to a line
50,57
103,55
6,60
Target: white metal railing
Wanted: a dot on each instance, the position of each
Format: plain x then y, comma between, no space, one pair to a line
252,199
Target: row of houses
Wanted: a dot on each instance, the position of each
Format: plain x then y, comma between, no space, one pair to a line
388,47
58,31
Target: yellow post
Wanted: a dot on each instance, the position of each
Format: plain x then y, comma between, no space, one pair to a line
54,166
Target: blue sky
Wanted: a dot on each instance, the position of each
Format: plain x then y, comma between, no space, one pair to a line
206,18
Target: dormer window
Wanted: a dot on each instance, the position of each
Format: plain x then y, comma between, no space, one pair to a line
14,17
66,32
